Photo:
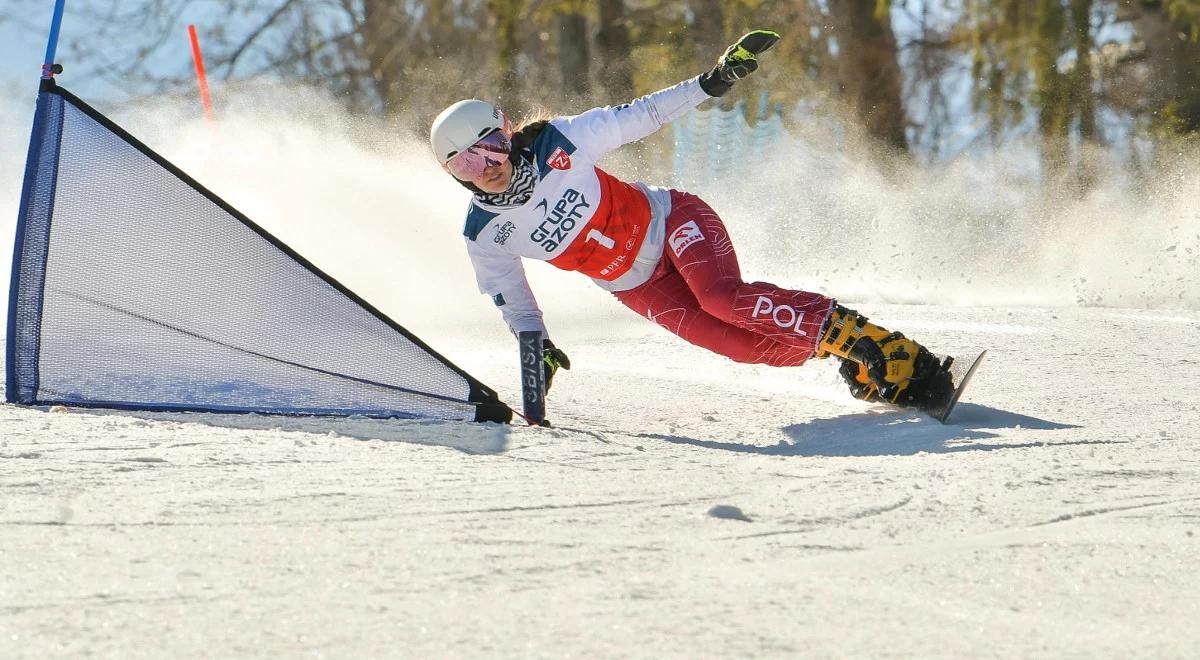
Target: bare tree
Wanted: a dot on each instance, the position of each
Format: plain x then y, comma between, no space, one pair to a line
1172,60
574,51
506,15
868,71
613,47
706,29
412,58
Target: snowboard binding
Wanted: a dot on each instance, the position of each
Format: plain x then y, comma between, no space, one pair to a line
880,365
929,388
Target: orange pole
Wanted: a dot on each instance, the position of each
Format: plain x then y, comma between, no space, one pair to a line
201,78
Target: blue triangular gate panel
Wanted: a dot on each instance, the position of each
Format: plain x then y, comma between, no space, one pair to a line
135,287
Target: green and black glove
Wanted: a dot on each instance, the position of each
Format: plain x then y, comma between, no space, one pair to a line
738,61
552,359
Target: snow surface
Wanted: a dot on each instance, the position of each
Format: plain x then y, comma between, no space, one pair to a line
683,505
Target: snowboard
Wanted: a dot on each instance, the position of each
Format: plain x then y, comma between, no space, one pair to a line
942,413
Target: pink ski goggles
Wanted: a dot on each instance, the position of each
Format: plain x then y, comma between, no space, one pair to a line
469,164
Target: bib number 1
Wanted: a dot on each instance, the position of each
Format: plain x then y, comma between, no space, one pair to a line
595,235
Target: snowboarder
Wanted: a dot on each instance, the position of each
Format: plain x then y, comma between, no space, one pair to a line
663,253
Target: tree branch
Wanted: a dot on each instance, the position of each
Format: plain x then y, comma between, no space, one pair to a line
237,53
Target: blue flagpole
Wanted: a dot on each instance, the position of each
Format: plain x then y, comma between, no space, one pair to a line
48,68
20,390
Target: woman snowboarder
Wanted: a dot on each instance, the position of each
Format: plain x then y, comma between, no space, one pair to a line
663,253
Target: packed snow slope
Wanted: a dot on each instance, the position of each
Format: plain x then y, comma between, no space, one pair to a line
682,505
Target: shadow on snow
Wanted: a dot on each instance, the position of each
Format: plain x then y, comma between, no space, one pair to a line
893,433
468,437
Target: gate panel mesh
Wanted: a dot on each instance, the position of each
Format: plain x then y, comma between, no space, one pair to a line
156,295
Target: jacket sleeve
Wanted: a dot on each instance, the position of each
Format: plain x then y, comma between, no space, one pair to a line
501,276
601,130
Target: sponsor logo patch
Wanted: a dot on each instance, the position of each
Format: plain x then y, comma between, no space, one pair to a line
559,160
621,259
503,232
559,221
687,234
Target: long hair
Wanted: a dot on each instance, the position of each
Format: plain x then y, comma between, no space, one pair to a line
529,128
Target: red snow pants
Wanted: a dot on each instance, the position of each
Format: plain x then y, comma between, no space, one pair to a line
697,292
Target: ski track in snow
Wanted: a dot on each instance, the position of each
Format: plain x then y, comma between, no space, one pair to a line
683,506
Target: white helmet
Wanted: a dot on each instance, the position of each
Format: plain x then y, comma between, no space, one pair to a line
462,125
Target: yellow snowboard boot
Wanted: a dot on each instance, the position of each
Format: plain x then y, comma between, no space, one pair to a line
880,365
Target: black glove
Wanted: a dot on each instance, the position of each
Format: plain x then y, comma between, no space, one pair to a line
552,359
738,61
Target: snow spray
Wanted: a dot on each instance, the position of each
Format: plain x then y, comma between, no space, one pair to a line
366,202
980,230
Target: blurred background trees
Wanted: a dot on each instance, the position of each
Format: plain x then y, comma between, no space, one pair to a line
924,79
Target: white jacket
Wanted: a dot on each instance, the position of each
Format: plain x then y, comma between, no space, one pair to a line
579,217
